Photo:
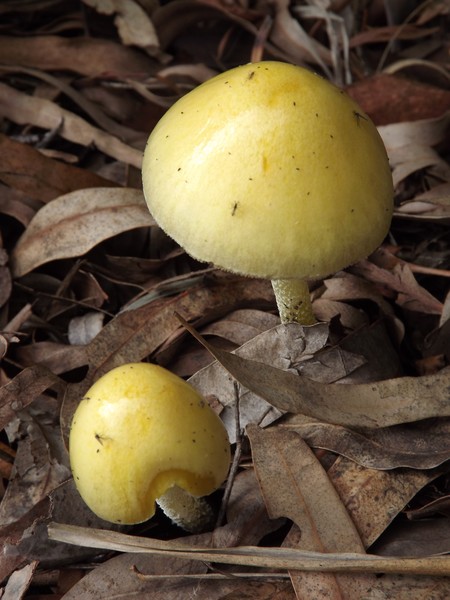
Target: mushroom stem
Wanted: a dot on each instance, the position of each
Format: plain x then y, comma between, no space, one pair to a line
293,301
188,512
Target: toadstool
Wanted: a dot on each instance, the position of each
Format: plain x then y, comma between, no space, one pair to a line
269,170
142,434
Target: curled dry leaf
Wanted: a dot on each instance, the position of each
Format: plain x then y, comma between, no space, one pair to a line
416,448
420,538
373,497
19,582
282,347
288,35
16,204
432,205
25,110
25,169
84,55
92,109
74,223
400,279
21,391
133,24
295,485
39,467
410,146
393,99
376,404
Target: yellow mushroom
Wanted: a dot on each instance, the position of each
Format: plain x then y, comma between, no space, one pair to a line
141,434
268,170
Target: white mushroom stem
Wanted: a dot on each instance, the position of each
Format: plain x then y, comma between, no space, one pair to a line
188,512
293,301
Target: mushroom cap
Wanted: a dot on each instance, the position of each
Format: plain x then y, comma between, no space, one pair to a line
271,171
138,431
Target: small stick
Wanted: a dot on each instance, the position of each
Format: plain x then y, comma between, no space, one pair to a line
236,457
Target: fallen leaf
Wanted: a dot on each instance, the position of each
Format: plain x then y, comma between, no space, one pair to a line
410,146
400,446
295,485
21,391
400,279
133,23
19,582
420,538
74,223
37,471
89,56
24,109
395,99
374,498
27,170
376,404
16,204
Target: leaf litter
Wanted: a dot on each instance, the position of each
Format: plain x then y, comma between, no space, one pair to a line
343,426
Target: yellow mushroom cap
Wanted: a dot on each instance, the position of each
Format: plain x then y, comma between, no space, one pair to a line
138,431
271,171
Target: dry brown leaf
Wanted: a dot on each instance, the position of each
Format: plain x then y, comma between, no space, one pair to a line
295,485
376,404
240,326
350,317
133,24
418,538
31,110
84,55
400,280
162,578
135,138
348,287
393,99
374,498
282,347
27,170
5,277
38,468
358,586
74,223
385,34
410,146
413,447
247,519
11,535
422,209
57,357
16,204
19,582
288,35
23,390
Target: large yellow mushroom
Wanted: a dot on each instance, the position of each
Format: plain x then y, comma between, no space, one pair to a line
141,434
268,170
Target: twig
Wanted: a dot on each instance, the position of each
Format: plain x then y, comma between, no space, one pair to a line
236,458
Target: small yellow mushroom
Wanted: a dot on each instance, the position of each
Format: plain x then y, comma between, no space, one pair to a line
141,434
